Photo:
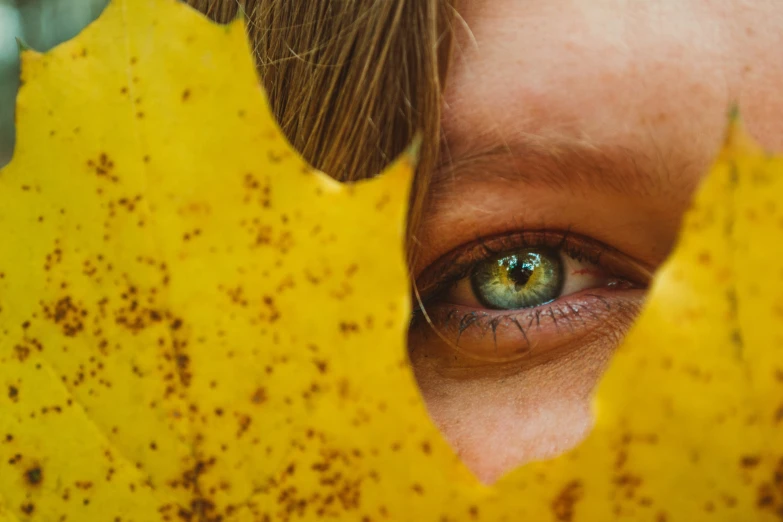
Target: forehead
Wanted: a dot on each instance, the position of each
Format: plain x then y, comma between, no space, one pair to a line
553,105
654,77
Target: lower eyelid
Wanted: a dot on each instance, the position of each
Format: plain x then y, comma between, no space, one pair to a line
528,337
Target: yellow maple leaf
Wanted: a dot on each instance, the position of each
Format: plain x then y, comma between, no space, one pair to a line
198,326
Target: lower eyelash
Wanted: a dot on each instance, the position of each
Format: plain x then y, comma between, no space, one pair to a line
466,320
533,332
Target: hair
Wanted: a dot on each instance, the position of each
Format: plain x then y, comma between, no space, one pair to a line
352,82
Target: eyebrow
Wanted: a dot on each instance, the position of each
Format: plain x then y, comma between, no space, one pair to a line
558,164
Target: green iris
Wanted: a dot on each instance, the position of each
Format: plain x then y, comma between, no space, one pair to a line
523,279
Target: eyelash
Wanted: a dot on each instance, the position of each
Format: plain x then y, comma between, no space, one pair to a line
458,263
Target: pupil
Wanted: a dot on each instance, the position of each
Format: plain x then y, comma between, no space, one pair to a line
520,271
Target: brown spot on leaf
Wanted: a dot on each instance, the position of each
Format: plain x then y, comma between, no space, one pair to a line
34,476
563,505
22,352
244,422
321,365
749,461
778,415
103,167
184,375
259,396
348,327
67,314
765,497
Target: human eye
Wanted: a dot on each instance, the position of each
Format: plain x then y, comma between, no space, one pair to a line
525,298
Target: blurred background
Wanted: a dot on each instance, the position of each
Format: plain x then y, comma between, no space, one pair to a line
40,24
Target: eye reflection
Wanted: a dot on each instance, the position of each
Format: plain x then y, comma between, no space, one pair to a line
530,277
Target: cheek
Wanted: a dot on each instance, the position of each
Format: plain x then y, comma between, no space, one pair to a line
497,423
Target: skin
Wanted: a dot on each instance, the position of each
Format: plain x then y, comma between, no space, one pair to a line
645,86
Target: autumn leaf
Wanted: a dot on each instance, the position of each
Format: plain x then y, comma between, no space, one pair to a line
198,326
179,283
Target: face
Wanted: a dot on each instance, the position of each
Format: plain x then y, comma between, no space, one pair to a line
575,134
